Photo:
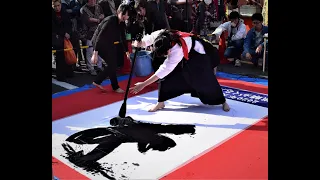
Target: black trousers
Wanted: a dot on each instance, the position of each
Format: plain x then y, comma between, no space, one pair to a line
195,76
110,57
120,55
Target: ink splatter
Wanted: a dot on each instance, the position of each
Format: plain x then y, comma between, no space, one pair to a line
147,136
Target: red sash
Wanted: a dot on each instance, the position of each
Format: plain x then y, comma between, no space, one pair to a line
183,43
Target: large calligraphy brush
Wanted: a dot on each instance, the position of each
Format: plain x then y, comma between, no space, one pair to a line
121,119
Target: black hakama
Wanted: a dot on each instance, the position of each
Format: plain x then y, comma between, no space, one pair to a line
193,76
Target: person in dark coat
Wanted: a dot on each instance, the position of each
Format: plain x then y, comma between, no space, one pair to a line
109,31
61,28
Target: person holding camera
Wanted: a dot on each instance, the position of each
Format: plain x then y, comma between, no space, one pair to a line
236,34
153,14
109,31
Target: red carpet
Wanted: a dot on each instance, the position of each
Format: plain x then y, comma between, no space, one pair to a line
62,170
91,99
244,156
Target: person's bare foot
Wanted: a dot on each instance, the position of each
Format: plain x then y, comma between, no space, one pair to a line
225,107
158,106
99,86
119,90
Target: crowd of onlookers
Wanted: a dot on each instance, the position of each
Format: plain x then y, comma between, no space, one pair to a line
77,21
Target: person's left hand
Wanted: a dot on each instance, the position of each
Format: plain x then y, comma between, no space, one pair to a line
258,50
137,88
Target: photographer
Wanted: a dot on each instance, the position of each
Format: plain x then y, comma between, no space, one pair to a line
153,14
109,7
181,14
135,22
236,34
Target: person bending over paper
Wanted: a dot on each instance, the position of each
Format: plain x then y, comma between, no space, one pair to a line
186,69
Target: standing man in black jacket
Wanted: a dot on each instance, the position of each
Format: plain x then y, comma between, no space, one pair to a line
109,31
109,7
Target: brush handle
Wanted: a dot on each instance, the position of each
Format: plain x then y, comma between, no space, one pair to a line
123,109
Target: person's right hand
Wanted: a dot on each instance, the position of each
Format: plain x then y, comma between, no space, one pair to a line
94,59
248,56
138,87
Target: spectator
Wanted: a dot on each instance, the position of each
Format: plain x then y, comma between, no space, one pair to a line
236,34
207,17
153,13
232,4
221,10
61,28
194,16
181,16
73,8
135,23
109,7
253,43
91,15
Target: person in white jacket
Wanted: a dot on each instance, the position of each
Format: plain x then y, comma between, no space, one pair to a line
236,34
187,68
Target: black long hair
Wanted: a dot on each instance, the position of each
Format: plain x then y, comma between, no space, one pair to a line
165,41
